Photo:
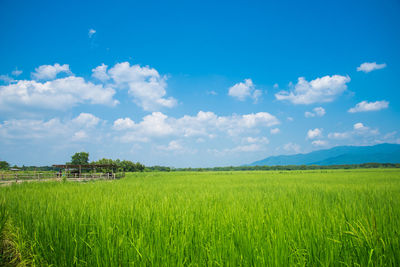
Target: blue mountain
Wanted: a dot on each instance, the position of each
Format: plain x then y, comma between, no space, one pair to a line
382,153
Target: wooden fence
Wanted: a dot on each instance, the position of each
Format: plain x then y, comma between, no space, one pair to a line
39,176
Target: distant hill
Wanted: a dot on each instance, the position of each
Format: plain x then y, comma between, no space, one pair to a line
383,153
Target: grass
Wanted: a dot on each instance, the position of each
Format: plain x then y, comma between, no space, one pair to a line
271,218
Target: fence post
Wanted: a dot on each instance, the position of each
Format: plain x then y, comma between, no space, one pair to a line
16,177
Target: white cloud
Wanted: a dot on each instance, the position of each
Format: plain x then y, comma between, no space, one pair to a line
155,125
67,130
359,131
86,119
337,135
369,106
242,90
245,148
256,140
275,131
359,126
49,72
172,146
204,125
91,33
370,66
260,118
208,123
318,111
245,89
30,129
6,78
100,73
123,124
144,84
292,147
59,94
79,135
320,90
319,143
312,134
16,72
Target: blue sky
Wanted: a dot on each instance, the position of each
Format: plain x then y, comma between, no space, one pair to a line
195,83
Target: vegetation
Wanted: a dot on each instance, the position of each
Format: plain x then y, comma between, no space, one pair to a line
129,166
4,165
80,158
287,167
258,218
124,165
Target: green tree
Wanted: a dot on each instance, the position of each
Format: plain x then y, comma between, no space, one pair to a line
80,158
4,165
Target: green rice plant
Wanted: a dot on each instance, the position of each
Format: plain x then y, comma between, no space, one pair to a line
257,218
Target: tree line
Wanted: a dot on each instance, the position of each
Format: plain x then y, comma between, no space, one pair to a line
82,158
292,167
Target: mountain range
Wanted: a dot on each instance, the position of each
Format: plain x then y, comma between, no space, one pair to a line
382,153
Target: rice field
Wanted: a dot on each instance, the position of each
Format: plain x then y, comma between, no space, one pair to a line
257,218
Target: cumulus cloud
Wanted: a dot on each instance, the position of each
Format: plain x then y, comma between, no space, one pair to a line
59,94
49,72
73,130
320,90
312,134
317,112
86,119
154,125
370,66
359,126
144,84
6,78
123,124
100,73
91,32
243,90
275,131
203,125
173,146
369,106
359,130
